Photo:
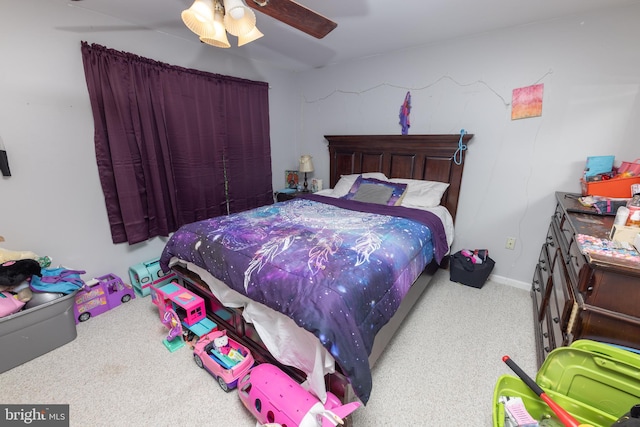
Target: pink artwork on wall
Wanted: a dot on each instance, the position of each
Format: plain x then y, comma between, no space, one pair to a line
527,102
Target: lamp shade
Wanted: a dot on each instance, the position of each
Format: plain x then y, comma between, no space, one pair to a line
199,18
252,35
235,8
238,18
306,165
219,37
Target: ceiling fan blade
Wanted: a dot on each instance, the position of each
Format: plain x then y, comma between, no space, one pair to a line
295,15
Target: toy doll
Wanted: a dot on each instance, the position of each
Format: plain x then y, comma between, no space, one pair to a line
222,344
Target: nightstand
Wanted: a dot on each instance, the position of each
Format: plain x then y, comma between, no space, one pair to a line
281,197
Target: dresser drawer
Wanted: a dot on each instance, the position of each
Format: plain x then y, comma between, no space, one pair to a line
537,293
545,277
564,292
575,261
609,326
548,249
560,238
548,337
612,290
551,241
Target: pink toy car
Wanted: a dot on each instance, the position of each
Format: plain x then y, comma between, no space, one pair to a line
273,397
99,295
225,359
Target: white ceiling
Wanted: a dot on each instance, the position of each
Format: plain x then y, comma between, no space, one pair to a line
365,27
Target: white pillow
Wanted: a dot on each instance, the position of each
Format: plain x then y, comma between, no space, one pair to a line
345,182
422,194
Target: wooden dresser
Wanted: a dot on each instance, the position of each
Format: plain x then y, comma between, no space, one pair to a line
578,296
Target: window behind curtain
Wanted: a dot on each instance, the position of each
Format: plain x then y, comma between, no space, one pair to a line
174,145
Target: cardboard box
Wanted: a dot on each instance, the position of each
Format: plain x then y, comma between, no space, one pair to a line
31,333
622,233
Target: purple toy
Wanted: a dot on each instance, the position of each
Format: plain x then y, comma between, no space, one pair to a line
99,295
172,322
405,110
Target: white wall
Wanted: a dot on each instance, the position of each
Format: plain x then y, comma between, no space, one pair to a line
590,69
53,204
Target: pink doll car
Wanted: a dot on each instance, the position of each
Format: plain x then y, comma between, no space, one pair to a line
225,359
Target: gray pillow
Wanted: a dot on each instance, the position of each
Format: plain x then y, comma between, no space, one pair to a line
373,193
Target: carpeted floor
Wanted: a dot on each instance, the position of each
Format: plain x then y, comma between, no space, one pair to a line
440,370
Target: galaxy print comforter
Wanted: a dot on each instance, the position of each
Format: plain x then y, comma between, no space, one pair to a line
338,268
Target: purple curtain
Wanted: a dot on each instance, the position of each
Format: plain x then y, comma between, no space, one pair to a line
174,145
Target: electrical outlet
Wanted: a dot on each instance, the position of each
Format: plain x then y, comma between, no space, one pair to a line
511,243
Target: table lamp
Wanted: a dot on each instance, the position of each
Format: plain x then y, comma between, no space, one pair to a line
306,165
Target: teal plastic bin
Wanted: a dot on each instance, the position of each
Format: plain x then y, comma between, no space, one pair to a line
596,383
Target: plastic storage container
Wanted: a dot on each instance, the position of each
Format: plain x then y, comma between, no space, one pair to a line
596,383
28,334
614,187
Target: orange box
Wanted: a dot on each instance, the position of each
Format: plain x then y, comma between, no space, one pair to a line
614,187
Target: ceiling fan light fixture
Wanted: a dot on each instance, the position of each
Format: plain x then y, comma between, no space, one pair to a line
199,17
219,37
237,13
242,25
252,35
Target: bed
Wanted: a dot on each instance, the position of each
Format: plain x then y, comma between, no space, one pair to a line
324,301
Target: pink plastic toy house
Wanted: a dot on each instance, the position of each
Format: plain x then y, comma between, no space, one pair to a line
99,295
188,306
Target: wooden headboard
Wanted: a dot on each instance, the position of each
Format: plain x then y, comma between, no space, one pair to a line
427,157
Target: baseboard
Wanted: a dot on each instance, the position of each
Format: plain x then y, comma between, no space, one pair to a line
510,282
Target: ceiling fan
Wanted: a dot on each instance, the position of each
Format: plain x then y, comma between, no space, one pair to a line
212,19
295,15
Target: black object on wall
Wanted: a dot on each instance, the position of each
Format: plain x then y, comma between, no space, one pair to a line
4,163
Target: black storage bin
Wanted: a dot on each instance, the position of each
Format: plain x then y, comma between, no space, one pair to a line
474,275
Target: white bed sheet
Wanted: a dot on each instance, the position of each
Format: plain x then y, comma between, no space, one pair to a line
277,331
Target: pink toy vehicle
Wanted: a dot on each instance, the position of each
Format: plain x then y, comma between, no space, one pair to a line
225,359
99,295
273,397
